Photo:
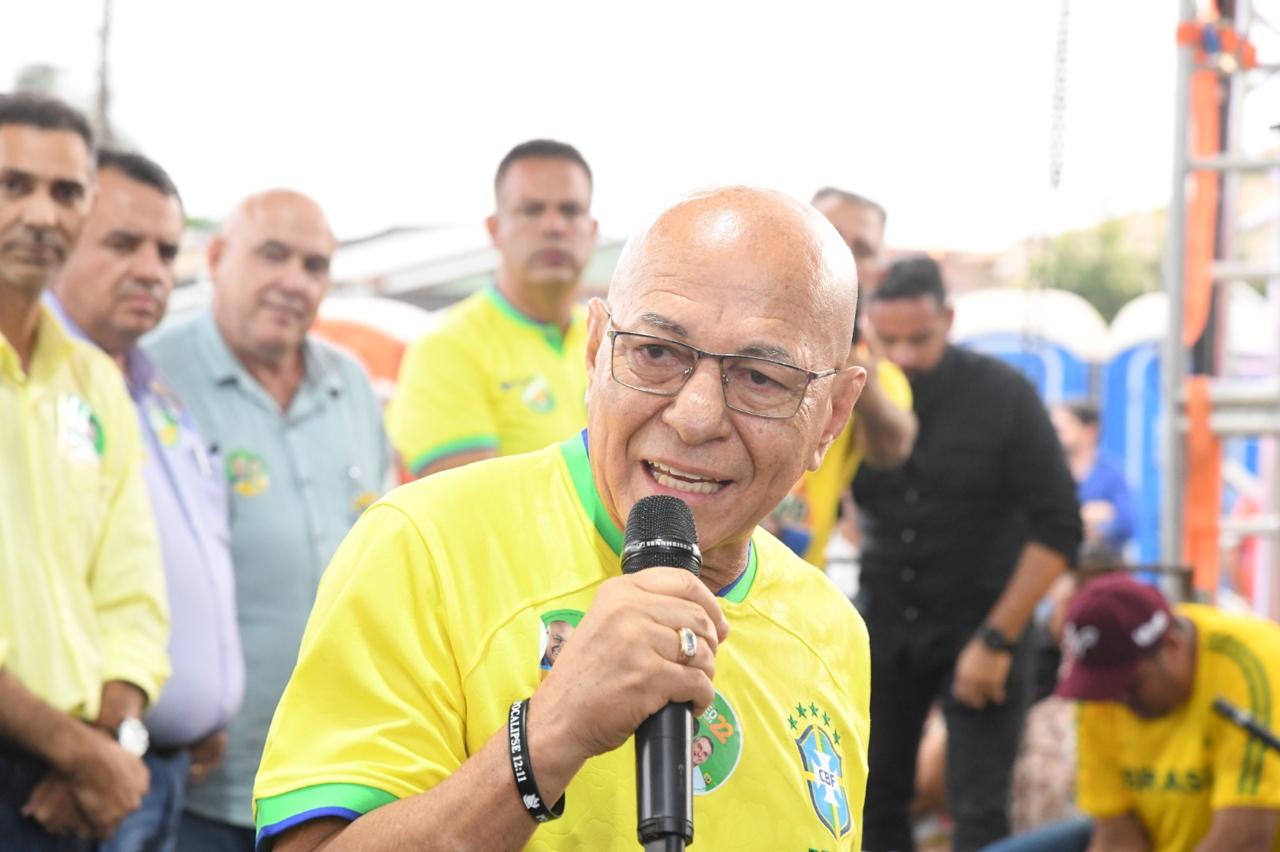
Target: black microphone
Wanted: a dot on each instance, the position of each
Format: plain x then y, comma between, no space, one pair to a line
1242,719
660,532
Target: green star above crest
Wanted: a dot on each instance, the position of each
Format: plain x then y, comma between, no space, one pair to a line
836,734
800,711
826,718
814,708
792,722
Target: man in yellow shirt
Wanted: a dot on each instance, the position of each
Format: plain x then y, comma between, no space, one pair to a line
433,623
1158,768
882,429
83,615
504,373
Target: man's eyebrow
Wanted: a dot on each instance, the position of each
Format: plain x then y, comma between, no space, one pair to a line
764,350
754,350
668,325
122,234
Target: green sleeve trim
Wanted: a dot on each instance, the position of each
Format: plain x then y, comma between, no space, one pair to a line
358,798
448,448
1255,676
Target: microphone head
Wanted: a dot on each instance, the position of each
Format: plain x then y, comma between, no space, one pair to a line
660,532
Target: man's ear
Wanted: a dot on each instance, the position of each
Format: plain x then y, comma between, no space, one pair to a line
597,324
846,387
491,225
213,253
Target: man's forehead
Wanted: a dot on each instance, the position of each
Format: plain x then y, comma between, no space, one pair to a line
740,251
47,154
294,221
721,250
125,203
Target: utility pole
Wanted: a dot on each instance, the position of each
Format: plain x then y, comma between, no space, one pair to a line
102,112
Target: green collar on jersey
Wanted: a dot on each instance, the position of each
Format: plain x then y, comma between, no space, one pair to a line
574,451
550,331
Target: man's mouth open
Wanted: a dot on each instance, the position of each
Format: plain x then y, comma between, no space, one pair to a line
683,480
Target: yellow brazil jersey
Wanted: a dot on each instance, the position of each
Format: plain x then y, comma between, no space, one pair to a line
1175,771
489,378
82,594
474,578
808,513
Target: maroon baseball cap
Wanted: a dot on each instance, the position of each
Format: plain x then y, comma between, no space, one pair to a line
1110,625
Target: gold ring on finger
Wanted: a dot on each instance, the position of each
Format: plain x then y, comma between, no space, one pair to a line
688,643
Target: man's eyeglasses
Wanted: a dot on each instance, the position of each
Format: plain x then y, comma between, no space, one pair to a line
751,385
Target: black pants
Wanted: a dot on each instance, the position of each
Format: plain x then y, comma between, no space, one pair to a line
981,747
19,775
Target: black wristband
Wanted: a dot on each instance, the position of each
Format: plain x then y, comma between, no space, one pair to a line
526,786
995,640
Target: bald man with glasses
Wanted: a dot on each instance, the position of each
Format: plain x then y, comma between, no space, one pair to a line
466,574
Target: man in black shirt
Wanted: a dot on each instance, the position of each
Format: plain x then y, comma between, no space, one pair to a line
959,544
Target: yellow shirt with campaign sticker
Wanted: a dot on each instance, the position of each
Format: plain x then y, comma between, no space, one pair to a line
83,598
808,513
1174,771
476,578
488,378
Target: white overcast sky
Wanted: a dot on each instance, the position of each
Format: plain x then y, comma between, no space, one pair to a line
397,112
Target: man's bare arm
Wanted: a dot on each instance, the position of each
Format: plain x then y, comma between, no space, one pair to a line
981,672
120,699
884,432
477,807
1119,834
1242,830
106,782
36,727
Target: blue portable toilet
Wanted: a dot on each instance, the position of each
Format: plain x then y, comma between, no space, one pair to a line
1132,399
1055,338
1131,404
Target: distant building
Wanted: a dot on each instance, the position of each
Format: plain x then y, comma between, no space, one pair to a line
436,265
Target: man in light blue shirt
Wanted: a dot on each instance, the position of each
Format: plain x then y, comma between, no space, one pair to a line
114,288
300,435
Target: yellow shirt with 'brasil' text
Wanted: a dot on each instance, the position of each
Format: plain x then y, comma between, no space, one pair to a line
1174,771
488,378
452,596
83,596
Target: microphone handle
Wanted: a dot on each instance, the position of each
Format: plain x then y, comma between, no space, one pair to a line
1242,719
664,786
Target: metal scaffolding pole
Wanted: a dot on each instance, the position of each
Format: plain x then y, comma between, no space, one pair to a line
1173,363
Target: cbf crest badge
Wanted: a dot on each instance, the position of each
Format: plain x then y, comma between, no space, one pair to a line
822,767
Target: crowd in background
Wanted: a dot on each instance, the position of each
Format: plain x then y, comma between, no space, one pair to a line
170,501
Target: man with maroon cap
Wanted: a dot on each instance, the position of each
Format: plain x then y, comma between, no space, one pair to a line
1158,768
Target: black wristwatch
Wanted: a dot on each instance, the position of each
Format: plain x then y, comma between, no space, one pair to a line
995,640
